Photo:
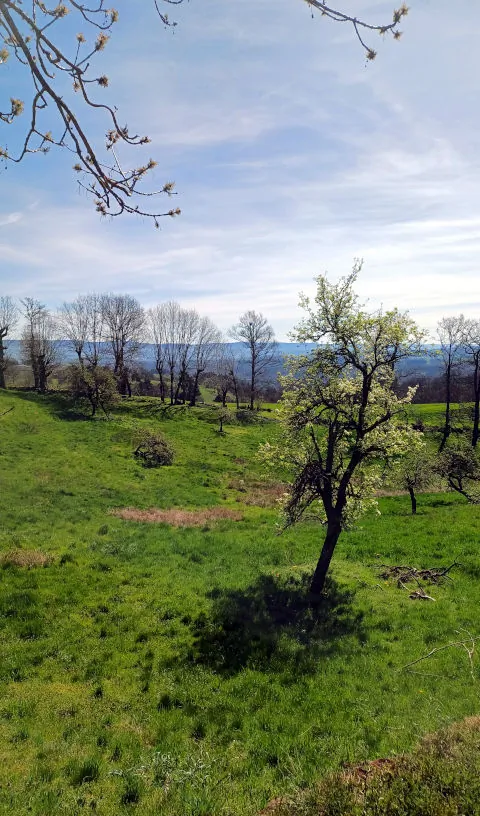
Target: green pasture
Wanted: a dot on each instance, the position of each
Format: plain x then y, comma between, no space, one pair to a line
173,670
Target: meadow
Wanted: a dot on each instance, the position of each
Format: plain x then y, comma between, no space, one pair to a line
162,669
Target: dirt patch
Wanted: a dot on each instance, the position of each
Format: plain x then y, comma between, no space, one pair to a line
25,558
177,517
376,767
257,493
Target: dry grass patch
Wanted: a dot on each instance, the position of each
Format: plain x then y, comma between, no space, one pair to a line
439,778
177,517
25,558
257,493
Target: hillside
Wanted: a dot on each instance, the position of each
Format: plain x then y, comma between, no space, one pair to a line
179,669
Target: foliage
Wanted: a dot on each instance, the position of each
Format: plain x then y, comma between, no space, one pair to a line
93,386
339,410
37,38
460,466
153,450
415,470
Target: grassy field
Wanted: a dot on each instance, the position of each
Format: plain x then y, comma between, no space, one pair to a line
180,670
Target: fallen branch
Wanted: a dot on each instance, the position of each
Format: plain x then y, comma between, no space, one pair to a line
6,412
404,574
421,594
468,645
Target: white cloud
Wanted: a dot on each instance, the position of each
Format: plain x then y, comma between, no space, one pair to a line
291,158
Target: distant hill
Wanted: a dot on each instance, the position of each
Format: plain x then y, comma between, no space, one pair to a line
424,365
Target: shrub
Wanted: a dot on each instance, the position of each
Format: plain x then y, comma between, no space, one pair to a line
93,387
153,450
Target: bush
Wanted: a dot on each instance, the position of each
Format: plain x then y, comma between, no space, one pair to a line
93,387
153,450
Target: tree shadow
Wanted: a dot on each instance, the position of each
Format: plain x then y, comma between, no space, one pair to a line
274,625
58,403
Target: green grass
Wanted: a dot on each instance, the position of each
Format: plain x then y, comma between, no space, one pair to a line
181,671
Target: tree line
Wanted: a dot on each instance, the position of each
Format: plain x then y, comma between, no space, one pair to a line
106,332
458,351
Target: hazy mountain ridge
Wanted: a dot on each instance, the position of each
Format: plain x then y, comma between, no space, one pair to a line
422,365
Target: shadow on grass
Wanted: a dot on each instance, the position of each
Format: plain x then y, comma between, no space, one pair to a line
273,625
60,404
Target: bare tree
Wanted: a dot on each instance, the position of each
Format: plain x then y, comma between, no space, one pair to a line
39,345
206,343
224,371
451,332
471,349
187,327
157,324
172,320
36,36
9,314
124,325
73,321
81,323
258,337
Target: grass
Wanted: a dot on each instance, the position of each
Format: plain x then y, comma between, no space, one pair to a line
442,772
180,669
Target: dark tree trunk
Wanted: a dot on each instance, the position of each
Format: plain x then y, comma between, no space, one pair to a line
252,386
235,390
318,581
448,399
161,382
42,374
413,499
2,363
476,405
193,400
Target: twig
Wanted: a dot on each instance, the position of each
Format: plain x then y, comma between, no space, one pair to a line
6,412
462,643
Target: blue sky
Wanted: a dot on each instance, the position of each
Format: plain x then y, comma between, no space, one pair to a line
291,156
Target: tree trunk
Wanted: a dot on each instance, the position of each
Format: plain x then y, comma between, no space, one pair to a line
235,390
333,533
193,400
476,405
161,383
42,374
252,386
413,499
448,398
2,364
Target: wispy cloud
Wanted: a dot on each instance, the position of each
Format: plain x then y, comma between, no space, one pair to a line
291,158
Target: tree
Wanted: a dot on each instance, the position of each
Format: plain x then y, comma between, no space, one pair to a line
258,337
124,325
74,324
451,332
471,350
460,466
9,314
224,372
339,412
207,340
94,386
157,324
34,36
39,344
415,471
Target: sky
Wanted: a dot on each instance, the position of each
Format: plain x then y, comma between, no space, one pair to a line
291,155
